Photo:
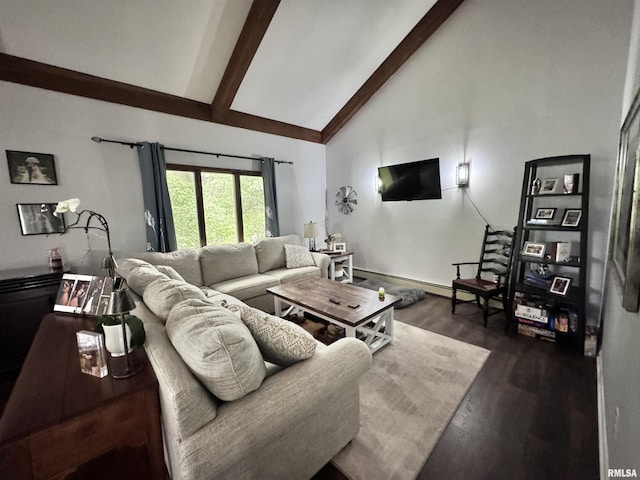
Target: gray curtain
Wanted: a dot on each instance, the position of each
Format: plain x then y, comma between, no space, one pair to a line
272,226
158,217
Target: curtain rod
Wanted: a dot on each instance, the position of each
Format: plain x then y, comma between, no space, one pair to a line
137,144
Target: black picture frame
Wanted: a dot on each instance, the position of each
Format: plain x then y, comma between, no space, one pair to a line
546,213
572,217
560,285
39,219
30,168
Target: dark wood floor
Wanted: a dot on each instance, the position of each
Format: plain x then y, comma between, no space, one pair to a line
530,414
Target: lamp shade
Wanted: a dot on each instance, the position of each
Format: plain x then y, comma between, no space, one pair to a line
120,302
312,230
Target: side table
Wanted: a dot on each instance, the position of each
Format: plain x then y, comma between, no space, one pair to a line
59,420
336,257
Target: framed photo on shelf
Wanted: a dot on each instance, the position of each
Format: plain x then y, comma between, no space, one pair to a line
31,168
533,249
545,213
571,181
38,219
626,212
560,285
549,185
339,247
571,217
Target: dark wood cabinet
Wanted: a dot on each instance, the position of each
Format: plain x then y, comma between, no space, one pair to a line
549,270
26,295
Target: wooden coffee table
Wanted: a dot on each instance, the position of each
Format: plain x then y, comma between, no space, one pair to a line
358,310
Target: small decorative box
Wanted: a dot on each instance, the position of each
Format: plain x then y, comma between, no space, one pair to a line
93,357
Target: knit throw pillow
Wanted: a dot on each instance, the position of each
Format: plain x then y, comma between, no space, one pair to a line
298,256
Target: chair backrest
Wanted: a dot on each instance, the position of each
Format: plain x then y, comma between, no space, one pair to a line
495,256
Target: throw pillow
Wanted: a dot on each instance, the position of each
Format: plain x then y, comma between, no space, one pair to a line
170,272
280,341
217,347
141,276
298,256
161,295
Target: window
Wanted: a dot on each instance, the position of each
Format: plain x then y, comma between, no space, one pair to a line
213,206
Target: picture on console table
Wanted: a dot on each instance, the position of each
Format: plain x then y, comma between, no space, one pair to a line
85,294
339,247
31,168
38,219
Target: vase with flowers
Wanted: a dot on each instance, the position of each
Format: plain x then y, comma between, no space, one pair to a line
88,220
332,238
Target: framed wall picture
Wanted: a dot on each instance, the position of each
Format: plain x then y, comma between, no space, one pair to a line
549,185
571,217
626,213
38,219
31,168
339,247
546,213
534,249
560,285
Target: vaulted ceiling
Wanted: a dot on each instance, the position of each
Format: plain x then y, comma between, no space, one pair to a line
296,68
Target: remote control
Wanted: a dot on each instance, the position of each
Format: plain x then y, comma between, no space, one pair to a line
333,300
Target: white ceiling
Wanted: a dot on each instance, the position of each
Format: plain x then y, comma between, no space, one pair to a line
312,60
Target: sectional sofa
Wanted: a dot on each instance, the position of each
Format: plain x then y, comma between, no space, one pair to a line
244,394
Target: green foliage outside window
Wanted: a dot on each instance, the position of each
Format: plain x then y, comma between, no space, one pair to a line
220,209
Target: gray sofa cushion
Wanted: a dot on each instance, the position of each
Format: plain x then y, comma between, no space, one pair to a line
270,251
217,347
280,341
285,275
185,262
138,273
224,262
247,287
162,294
170,272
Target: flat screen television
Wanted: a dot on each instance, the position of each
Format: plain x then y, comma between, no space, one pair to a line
411,181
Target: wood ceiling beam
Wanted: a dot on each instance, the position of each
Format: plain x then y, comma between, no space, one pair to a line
36,74
255,27
40,75
433,19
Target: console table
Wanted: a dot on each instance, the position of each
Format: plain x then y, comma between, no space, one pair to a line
336,257
59,421
26,295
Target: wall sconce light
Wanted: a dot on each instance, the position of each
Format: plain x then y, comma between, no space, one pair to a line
462,175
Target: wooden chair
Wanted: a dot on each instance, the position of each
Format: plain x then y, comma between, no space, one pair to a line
495,258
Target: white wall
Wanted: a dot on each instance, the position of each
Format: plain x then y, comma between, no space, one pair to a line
106,177
619,355
502,82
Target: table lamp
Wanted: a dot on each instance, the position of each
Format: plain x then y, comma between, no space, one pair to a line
121,303
312,231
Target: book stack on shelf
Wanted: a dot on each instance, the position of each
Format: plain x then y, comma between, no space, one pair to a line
536,279
536,318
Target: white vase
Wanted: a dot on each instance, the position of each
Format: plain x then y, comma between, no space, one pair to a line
113,339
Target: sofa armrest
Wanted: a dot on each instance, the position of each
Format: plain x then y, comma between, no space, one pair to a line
322,261
313,402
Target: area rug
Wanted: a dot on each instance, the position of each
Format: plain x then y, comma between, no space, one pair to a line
407,399
408,295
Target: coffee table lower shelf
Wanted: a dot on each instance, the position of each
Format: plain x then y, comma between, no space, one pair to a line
375,336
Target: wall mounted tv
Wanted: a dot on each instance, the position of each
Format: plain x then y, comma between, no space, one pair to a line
411,181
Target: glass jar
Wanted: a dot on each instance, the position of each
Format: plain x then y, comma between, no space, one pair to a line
55,260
